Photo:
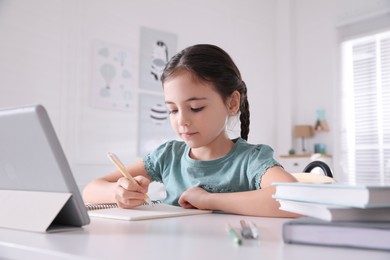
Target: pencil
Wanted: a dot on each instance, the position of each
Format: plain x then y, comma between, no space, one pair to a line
125,173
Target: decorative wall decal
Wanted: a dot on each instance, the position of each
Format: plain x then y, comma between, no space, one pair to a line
154,126
157,48
112,78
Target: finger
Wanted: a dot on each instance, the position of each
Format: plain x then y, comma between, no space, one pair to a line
121,192
184,203
124,202
143,182
130,203
127,198
129,185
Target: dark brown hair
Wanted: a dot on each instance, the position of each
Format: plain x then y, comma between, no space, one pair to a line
212,64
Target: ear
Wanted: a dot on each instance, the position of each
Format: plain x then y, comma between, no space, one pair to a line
234,103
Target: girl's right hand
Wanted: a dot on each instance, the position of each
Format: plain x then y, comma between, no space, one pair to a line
128,195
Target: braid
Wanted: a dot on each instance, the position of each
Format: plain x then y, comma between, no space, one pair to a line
245,114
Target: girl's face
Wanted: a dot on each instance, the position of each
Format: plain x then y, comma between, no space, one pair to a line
197,112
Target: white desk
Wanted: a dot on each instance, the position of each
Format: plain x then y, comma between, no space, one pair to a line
192,237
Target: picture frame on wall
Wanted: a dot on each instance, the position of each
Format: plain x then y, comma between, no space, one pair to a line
157,48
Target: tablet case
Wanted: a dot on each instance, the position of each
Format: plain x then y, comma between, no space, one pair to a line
34,172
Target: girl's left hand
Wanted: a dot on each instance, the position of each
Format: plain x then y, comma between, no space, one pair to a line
194,197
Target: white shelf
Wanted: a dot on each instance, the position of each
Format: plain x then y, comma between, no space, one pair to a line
297,162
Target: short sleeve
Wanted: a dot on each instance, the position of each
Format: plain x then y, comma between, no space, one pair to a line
262,158
164,160
154,161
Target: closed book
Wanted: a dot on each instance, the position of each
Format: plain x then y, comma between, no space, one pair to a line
352,195
335,212
368,235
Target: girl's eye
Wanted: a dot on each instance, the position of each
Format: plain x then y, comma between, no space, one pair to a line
173,111
198,109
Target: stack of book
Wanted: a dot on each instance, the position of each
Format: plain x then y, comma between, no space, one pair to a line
345,215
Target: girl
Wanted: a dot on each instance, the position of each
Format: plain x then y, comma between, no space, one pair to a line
203,88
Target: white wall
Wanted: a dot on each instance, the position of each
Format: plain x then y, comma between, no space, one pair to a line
45,52
286,50
315,59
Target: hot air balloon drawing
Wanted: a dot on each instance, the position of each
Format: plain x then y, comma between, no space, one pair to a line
108,73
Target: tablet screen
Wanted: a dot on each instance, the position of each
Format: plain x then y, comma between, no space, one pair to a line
31,158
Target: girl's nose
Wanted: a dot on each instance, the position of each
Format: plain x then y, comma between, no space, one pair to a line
183,119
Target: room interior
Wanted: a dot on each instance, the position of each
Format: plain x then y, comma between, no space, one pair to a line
287,51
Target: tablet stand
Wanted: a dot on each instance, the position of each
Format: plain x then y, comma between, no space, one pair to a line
32,210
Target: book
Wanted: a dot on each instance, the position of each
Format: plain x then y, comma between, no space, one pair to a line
352,195
307,230
335,212
96,206
151,211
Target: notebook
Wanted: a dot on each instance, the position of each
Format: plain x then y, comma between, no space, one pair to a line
143,212
33,166
96,206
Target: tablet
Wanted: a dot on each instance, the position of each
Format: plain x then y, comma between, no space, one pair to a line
32,159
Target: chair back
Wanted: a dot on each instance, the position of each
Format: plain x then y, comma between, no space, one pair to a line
309,176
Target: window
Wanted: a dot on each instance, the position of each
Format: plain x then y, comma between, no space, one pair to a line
365,126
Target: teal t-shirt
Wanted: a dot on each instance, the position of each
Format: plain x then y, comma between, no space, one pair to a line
239,170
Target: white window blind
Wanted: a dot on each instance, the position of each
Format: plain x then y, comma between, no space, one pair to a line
365,135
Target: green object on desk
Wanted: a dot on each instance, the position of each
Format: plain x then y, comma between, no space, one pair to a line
234,235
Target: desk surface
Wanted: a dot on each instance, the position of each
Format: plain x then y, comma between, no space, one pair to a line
191,237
